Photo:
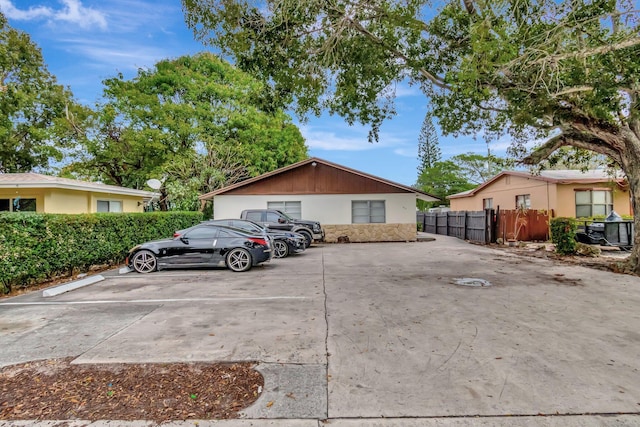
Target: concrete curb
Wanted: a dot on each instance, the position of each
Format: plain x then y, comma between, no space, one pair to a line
51,292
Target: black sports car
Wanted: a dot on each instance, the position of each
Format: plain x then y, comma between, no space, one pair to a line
204,245
284,242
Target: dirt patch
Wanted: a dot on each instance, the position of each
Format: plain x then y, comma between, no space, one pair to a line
608,261
57,390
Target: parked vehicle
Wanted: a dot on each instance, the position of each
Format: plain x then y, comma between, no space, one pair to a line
278,220
284,242
204,245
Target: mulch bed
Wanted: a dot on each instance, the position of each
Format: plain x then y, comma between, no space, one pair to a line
57,390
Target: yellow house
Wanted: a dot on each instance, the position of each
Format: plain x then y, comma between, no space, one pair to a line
564,193
33,192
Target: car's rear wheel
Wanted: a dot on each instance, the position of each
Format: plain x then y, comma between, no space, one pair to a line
308,238
280,249
144,262
239,259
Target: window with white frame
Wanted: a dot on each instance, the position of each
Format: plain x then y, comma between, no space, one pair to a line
590,203
523,201
487,203
109,206
368,211
291,208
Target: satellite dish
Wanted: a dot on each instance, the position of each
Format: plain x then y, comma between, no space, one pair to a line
154,183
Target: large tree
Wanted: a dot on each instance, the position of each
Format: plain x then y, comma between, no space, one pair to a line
179,116
567,71
38,117
442,179
428,150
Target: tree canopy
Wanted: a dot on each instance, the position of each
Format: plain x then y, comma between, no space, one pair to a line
175,120
37,115
459,173
477,168
443,179
567,71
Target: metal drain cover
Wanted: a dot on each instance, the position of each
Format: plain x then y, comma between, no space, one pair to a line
472,282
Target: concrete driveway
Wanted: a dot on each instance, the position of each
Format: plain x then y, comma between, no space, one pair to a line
370,334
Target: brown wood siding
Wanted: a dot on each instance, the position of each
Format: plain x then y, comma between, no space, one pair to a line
319,179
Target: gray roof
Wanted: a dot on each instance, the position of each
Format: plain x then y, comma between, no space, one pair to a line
568,174
35,180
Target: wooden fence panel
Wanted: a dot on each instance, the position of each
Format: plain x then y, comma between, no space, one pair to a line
457,224
482,227
529,225
442,223
429,223
475,226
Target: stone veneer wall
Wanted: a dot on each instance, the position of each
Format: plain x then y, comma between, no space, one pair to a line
371,232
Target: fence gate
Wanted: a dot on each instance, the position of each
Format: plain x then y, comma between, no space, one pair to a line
527,226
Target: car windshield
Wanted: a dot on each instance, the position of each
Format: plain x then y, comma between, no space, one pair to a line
238,230
286,216
248,225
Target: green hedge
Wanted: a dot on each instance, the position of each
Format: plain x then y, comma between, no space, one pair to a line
563,235
37,247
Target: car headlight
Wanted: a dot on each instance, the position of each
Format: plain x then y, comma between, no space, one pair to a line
316,228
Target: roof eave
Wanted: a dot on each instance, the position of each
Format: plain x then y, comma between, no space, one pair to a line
210,195
426,198
114,190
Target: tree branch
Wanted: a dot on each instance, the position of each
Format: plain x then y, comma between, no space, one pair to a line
589,52
571,90
574,140
468,4
436,80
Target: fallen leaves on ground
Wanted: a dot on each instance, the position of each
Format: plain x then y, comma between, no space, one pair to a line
55,389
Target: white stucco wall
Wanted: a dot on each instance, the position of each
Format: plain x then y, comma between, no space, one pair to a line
326,208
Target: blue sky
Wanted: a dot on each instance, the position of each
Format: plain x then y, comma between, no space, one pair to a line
87,41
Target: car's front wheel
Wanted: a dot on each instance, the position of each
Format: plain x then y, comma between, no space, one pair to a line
280,249
308,238
144,262
239,259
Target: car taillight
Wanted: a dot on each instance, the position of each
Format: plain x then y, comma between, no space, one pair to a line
261,242
176,235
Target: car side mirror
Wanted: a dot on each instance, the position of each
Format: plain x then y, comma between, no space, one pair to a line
281,220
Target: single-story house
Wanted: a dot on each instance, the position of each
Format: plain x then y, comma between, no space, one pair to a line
564,193
347,202
34,192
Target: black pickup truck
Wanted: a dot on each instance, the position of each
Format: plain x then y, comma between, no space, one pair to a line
277,220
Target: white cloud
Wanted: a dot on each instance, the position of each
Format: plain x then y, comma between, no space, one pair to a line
325,140
12,12
407,152
135,16
404,90
116,53
345,138
72,12
75,13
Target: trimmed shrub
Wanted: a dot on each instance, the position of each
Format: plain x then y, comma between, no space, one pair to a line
563,235
36,247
